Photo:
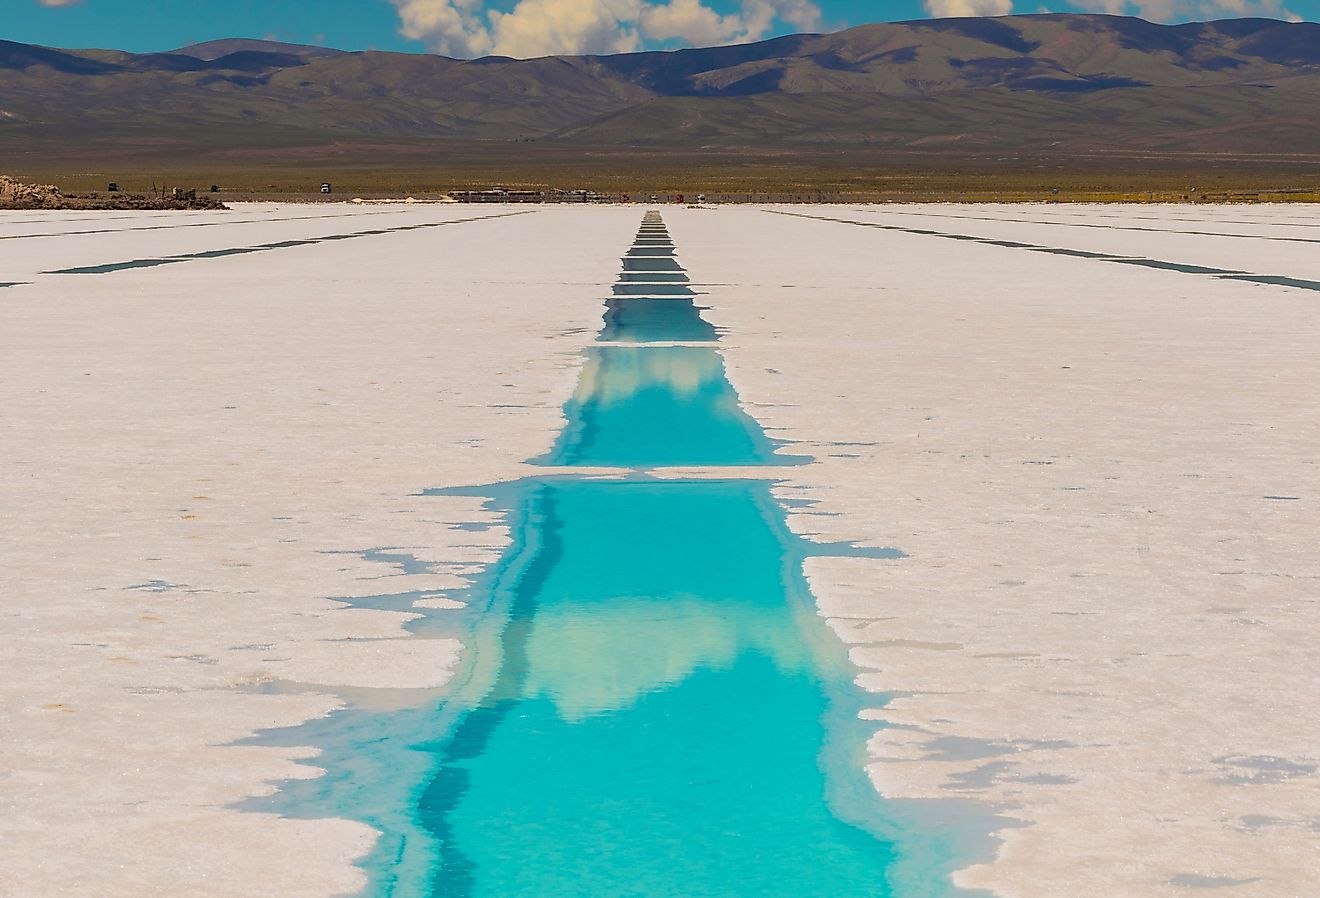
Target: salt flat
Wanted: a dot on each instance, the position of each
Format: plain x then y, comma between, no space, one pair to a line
1104,475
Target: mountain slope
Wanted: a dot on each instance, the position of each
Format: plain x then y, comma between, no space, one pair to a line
1073,81
216,49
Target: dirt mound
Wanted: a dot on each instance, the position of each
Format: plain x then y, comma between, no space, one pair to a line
17,195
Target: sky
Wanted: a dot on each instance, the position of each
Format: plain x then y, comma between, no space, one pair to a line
524,28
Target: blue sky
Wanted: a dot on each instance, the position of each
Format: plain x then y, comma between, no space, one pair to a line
527,27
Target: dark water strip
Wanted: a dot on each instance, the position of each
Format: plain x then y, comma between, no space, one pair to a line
1310,223
1219,273
195,224
266,247
1083,224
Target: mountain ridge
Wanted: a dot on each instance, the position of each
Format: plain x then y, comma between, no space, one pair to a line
1069,80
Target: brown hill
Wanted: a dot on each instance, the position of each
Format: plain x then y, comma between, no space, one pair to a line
1066,82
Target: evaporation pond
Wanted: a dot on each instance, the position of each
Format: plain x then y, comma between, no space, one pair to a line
661,712
655,320
651,264
652,406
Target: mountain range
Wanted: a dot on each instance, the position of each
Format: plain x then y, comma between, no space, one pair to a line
1060,81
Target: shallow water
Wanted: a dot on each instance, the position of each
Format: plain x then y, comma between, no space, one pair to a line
655,320
657,406
649,704
656,724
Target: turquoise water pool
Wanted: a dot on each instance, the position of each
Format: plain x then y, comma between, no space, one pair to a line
650,704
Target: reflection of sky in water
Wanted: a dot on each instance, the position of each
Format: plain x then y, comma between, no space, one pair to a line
616,617
590,660
658,406
650,704
654,721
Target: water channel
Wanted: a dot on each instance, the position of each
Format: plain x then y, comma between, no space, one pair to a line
651,705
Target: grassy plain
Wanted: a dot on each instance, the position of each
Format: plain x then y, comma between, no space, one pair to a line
428,169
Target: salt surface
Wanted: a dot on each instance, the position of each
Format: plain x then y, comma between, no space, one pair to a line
1104,623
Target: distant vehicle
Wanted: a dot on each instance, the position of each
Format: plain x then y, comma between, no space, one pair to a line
325,188
653,197
680,198
701,197
215,188
114,187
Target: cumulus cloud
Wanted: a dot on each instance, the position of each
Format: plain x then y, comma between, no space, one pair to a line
954,8
546,27
692,22
449,27
464,28
1181,10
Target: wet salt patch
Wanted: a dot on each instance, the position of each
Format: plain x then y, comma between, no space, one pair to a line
266,247
191,224
1184,268
1176,266
1275,281
1197,881
1059,222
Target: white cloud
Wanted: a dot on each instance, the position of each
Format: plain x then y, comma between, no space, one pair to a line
955,8
1175,10
463,28
547,27
692,22
448,27
689,21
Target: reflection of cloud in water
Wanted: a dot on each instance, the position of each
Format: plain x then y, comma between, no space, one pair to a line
591,658
616,375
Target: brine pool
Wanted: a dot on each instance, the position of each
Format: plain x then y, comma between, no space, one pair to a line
649,703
